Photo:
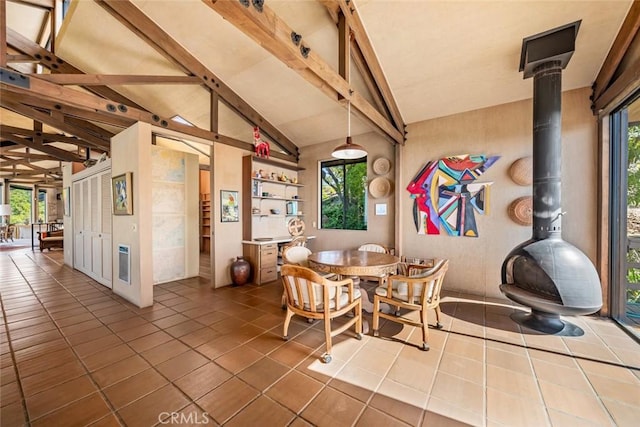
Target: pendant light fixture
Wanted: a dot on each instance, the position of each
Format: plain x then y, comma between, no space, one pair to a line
349,150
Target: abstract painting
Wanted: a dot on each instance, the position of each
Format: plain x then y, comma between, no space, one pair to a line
446,196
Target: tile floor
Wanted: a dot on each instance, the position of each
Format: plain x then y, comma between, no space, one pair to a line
73,353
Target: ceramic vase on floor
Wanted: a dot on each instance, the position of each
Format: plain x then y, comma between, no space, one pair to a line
240,271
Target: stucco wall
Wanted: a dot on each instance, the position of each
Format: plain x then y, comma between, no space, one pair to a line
504,130
380,229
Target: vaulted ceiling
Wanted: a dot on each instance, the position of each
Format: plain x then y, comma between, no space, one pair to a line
115,62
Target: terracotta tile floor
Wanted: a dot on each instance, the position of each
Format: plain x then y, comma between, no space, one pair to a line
73,353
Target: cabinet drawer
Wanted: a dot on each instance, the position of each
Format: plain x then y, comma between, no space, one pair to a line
268,274
269,247
269,258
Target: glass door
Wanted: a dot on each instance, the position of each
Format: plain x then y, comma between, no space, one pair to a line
625,243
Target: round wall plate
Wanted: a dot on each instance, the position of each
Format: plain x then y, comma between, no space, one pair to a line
382,166
379,187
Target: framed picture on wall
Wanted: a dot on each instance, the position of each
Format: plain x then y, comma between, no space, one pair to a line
122,194
229,209
66,200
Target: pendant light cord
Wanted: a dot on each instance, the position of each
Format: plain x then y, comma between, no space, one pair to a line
349,118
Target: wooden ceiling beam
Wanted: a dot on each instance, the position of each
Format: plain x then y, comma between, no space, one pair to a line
369,81
41,4
86,101
46,137
57,65
21,59
69,112
145,28
8,156
365,59
29,172
3,33
109,80
628,30
85,139
58,153
272,33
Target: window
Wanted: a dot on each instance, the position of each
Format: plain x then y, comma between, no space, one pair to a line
343,203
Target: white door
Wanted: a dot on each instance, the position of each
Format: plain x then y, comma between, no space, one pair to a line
78,244
92,226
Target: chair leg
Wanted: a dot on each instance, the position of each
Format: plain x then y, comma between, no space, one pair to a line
376,315
326,357
438,314
283,301
359,320
425,330
287,320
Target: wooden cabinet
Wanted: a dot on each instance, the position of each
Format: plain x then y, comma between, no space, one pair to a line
205,222
264,261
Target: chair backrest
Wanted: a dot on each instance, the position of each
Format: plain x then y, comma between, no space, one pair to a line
296,255
296,241
307,290
423,284
374,247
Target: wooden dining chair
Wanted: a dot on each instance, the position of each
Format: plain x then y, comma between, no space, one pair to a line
310,295
374,247
299,255
417,291
296,241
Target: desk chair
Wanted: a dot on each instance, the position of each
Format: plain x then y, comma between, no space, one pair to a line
310,295
419,290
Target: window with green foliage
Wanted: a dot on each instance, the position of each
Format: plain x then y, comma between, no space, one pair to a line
343,203
633,177
20,199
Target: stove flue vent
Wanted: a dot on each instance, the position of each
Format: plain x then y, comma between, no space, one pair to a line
545,273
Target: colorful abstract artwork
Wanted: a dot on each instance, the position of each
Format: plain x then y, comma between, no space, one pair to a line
446,196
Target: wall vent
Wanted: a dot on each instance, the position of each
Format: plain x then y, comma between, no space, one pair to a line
124,263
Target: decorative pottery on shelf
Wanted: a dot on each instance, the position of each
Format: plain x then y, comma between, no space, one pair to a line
240,271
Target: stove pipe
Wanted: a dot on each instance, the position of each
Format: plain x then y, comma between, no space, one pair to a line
546,273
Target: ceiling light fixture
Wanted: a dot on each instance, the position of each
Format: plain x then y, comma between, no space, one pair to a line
349,150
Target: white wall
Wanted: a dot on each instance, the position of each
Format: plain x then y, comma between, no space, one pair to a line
227,238
131,152
504,130
67,220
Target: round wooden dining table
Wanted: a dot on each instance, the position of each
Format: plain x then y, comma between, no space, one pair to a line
353,263
349,263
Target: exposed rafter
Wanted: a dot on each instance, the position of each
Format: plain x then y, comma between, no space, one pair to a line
272,33
132,17
109,80
58,153
628,31
56,120
46,137
365,58
8,156
85,101
57,65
